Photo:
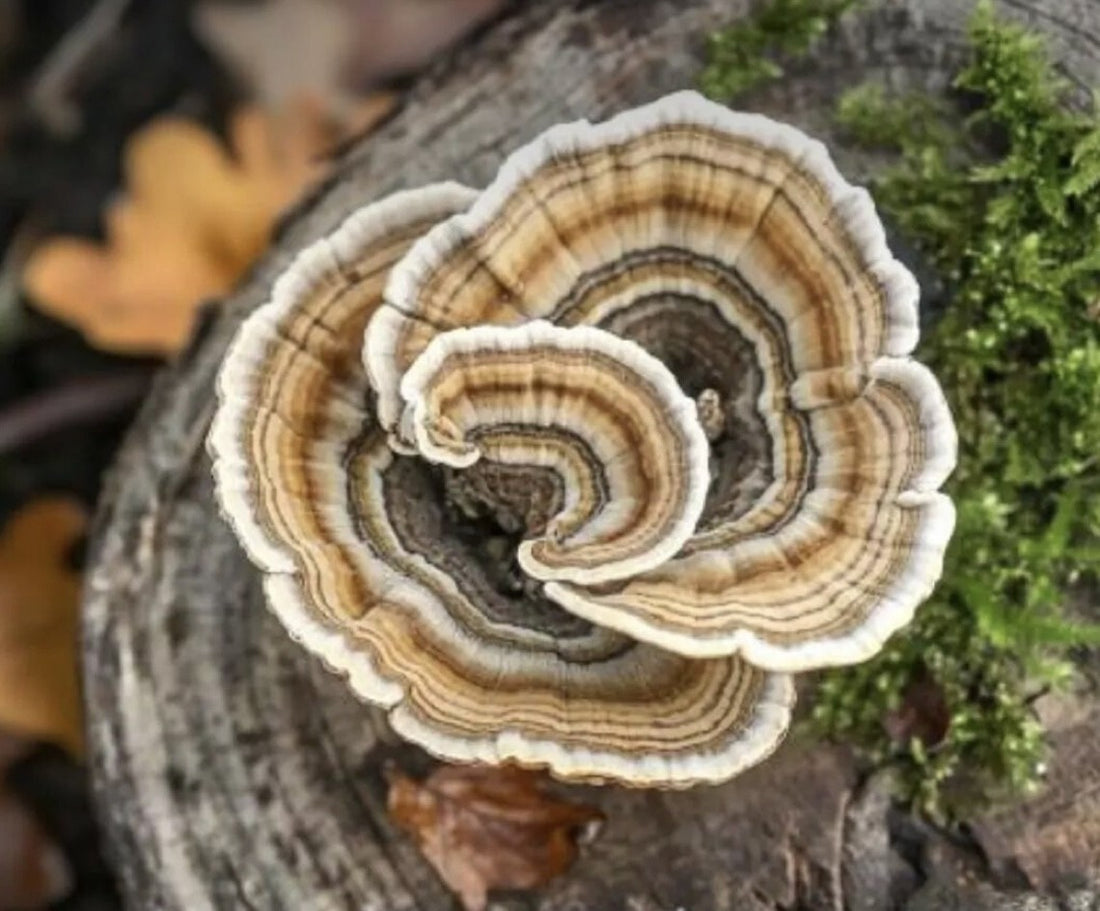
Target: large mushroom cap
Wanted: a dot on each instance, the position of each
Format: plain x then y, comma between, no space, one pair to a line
398,570
730,248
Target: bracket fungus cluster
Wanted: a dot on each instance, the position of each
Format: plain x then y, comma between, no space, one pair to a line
576,471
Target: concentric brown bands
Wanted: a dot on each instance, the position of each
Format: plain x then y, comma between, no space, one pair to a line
466,445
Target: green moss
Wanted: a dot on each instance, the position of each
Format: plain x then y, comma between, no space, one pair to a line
1000,190
1016,236
747,53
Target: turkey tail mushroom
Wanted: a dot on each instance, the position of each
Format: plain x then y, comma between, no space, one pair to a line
572,472
729,247
367,563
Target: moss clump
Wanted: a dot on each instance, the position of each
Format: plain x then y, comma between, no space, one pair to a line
1016,237
745,55
1004,201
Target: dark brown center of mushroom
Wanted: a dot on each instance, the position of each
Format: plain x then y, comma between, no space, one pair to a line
494,507
700,346
469,524
715,365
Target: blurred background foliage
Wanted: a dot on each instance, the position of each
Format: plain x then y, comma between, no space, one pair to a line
147,150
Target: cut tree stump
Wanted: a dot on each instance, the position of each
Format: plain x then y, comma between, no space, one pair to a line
232,771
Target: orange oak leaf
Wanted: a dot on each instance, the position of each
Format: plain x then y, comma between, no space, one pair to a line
486,827
39,609
196,214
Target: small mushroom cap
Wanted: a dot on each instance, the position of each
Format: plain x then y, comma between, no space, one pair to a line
729,247
596,409
364,564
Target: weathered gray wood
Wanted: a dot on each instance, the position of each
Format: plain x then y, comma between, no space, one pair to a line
232,771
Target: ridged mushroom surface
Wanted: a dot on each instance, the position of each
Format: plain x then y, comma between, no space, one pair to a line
729,247
399,565
607,420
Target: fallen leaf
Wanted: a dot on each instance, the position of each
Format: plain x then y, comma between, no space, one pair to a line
487,827
923,714
195,216
391,37
280,48
333,48
39,610
33,870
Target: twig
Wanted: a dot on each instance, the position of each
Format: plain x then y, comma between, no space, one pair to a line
80,401
49,95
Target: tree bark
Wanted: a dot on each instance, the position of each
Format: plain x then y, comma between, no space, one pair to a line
232,770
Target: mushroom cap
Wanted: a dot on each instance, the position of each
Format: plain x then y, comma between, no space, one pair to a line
365,563
729,247
605,416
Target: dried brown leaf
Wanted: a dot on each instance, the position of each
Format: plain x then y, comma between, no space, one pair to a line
33,871
195,216
39,608
487,827
923,714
